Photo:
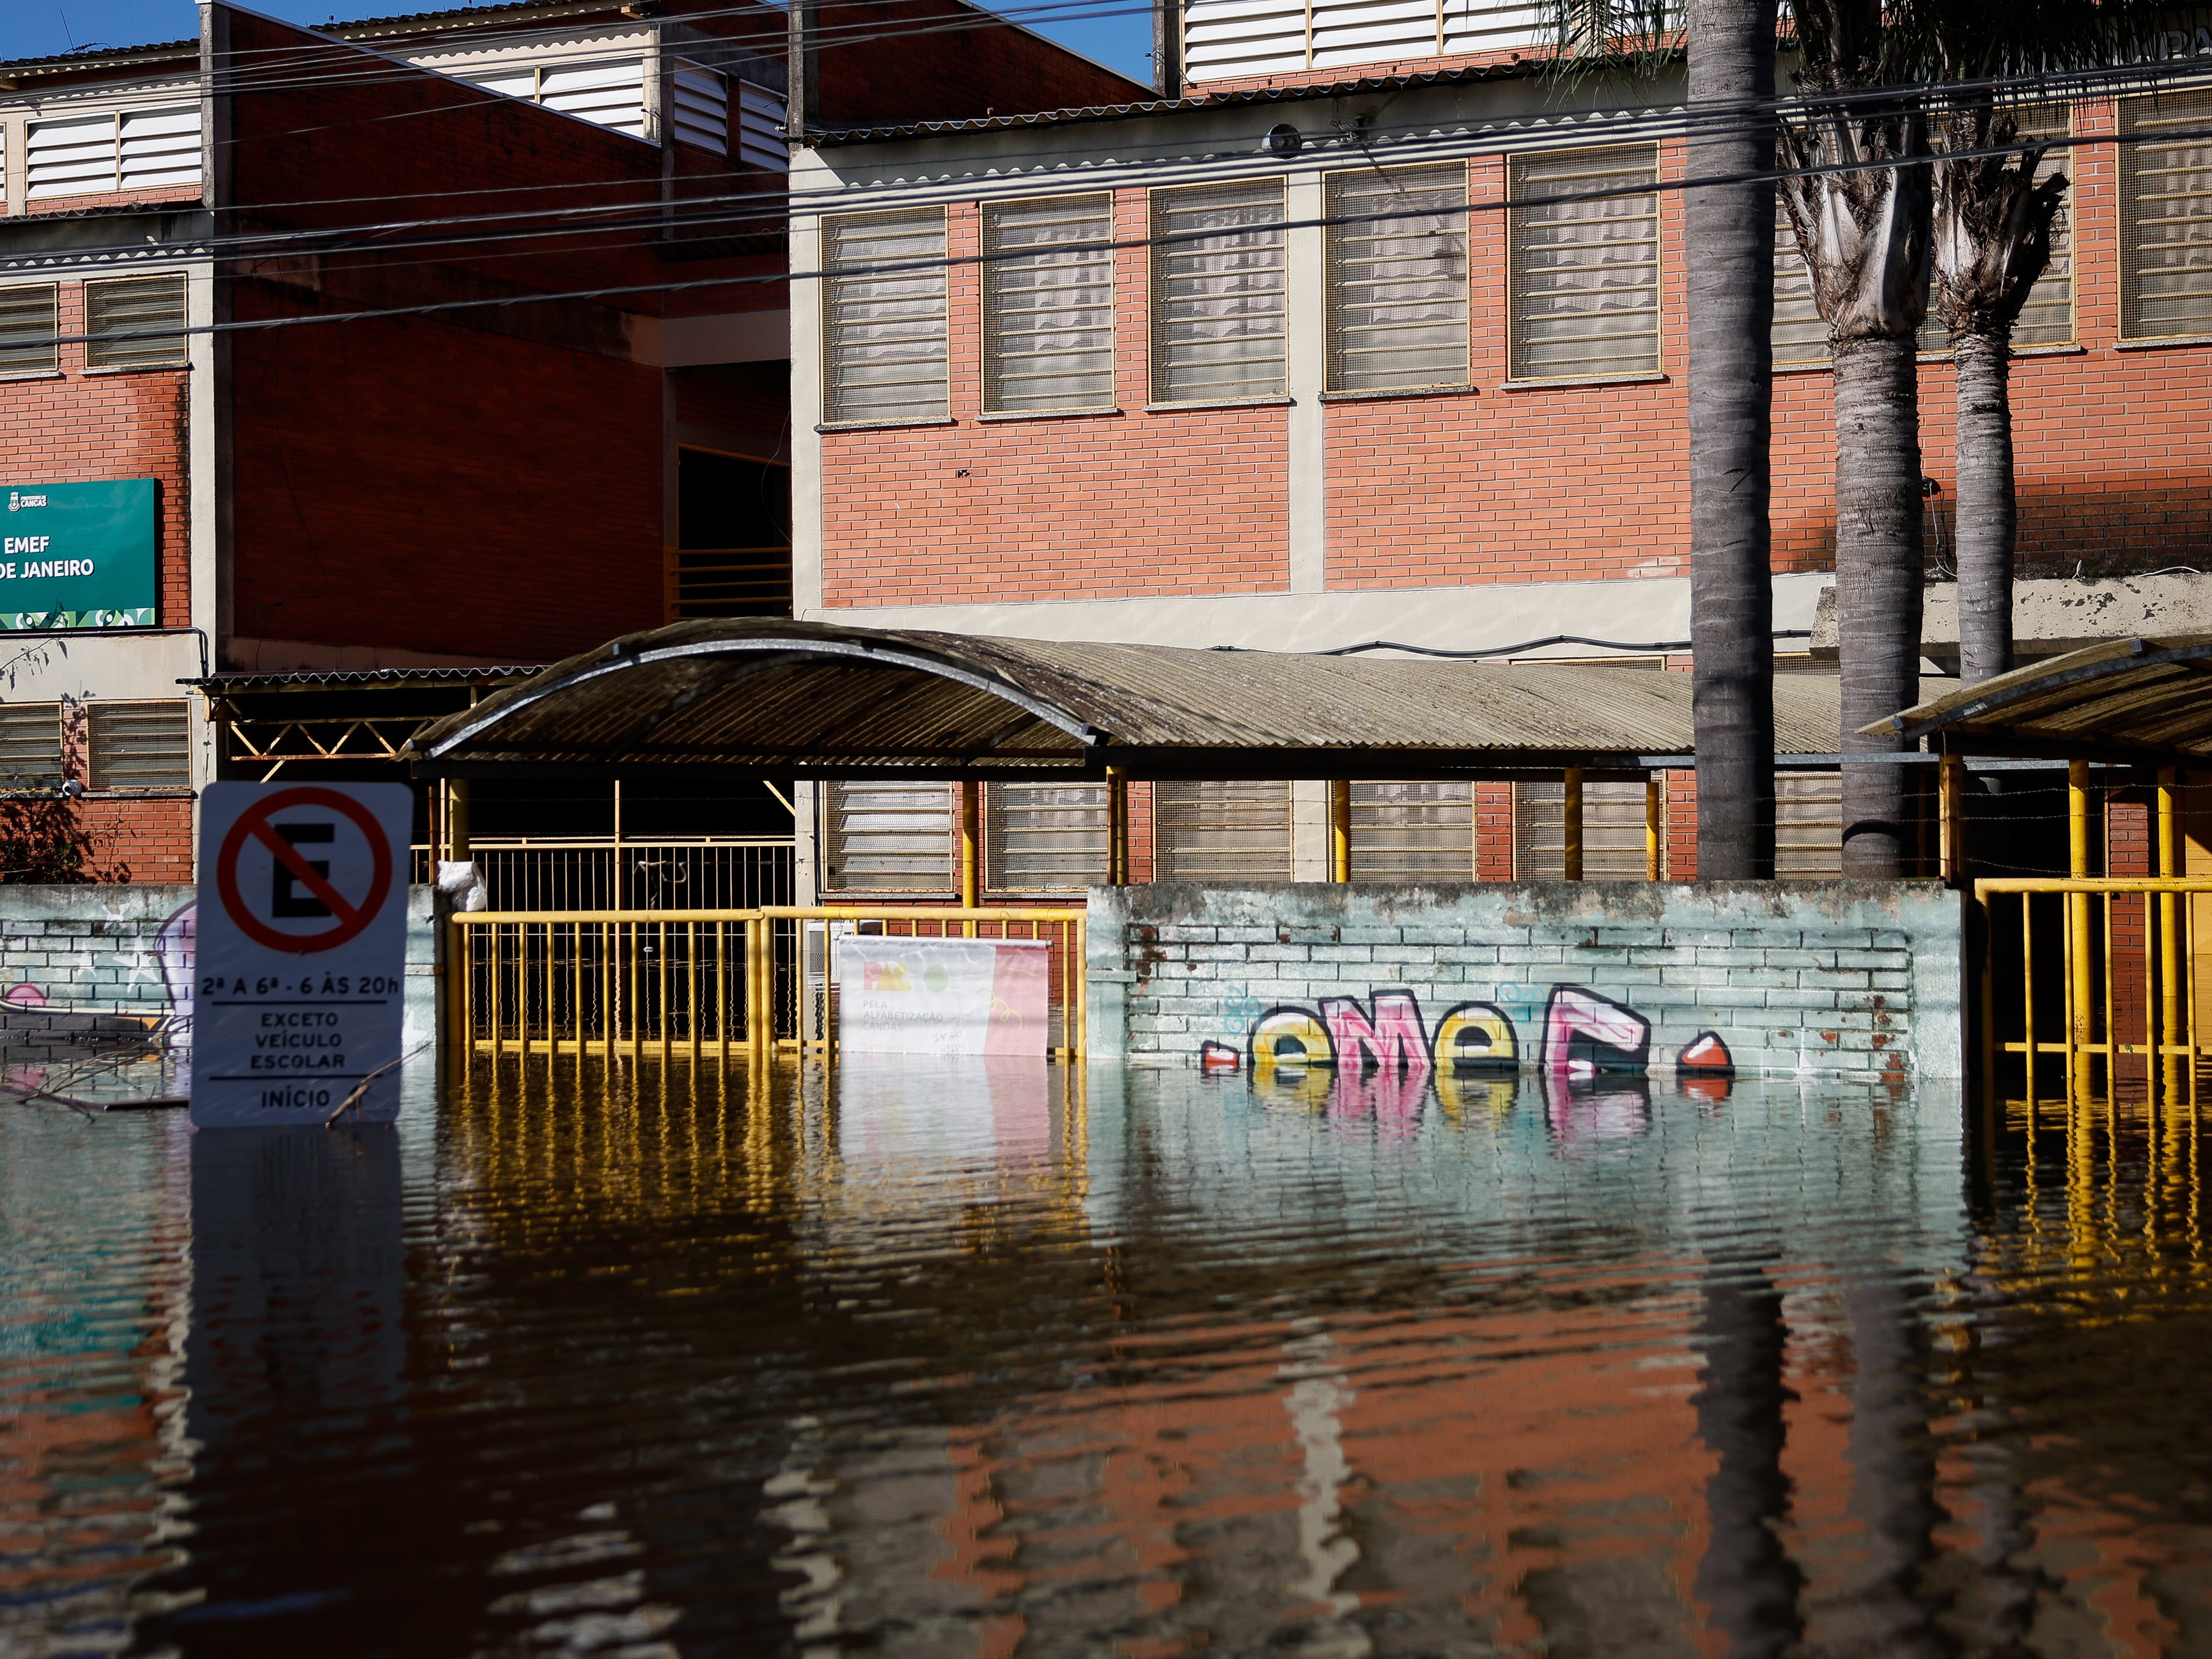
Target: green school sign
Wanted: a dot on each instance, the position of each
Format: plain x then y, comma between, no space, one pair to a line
77,556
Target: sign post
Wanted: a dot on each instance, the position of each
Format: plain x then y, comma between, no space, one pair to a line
303,951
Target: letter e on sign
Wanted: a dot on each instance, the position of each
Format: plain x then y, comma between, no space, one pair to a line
299,986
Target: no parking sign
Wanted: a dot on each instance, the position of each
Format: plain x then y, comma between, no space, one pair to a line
302,954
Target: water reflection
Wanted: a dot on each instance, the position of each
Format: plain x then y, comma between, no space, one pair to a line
1000,1361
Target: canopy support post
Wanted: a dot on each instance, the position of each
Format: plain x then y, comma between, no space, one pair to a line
1951,816
2080,987
972,818
1654,834
1339,830
1117,826
1571,852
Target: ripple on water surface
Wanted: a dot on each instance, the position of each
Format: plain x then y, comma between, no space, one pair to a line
1000,1361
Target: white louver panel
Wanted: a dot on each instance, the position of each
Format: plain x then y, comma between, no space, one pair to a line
127,150
761,142
610,92
507,82
1225,39
701,115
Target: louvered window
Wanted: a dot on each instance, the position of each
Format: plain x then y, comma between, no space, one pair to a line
1397,284
1801,334
1045,837
887,837
701,115
1585,272
2047,317
1048,314
28,329
608,92
30,745
883,330
1613,832
1218,294
121,150
761,114
1412,831
1227,39
1808,830
135,324
140,745
1235,832
2166,217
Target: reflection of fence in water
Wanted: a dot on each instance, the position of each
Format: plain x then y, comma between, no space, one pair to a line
2108,1187
714,874
702,982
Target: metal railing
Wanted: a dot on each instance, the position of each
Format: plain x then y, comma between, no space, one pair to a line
702,984
2097,972
599,874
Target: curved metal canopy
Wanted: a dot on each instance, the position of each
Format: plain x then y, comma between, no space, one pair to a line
2142,700
780,698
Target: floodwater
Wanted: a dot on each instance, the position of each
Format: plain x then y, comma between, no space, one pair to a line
1006,1362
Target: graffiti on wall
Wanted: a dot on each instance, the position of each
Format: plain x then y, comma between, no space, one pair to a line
1593,1055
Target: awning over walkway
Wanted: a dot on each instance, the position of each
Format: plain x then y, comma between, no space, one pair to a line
2147,700
782,698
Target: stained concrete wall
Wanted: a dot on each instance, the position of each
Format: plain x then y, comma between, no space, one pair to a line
1841,979
101,949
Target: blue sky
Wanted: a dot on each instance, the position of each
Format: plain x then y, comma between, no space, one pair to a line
35,29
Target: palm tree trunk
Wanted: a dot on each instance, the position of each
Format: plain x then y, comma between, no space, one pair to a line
1878,583
1731,302
1988,517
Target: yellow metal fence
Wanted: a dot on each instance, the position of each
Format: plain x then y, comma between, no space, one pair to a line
701,985
2098,973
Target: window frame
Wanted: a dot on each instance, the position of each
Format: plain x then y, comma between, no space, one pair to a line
1154,398
94,710
2123,191
1331,327
185,321
825,334
985,408
12,789
829,844
54,346
993,849
1515,218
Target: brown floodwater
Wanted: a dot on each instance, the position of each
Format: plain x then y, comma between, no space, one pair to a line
999,1361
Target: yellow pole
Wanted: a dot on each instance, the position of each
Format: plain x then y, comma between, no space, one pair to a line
2077,923
1950,802
1117,826
1339,830
1654,836
1571,852
2169,951
457,820
971,815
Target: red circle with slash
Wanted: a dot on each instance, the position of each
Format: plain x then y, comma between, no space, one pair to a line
253,825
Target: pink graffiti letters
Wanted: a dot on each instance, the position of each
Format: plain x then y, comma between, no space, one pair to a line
1392,1042
1585,1033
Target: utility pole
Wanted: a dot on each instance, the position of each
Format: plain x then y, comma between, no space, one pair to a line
802,62
1167,47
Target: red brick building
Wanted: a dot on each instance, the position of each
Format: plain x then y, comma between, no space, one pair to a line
1275,365
447,342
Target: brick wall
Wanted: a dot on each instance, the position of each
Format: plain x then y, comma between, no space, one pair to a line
1846,978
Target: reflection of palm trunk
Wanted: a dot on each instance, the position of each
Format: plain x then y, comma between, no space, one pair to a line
1746,1577
1892,1469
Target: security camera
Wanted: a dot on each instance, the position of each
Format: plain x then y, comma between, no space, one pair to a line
68,789
1283,140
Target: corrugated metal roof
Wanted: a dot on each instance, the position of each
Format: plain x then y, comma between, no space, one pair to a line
811,697
823,138
2142,698
317,678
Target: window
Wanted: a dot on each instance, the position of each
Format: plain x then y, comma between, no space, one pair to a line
2166,217
124,321
887,837
609,92
30,745
1808,826
1048,315
119,150
1045,837
733,555
2047,317
1801,333
1225,39
1226,832
140,745
1613,832
1584,273
1218,298
1412,831
761,142
28,329
1397,286
701,115
884,333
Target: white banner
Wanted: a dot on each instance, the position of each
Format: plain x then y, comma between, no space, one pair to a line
942,996
299,992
